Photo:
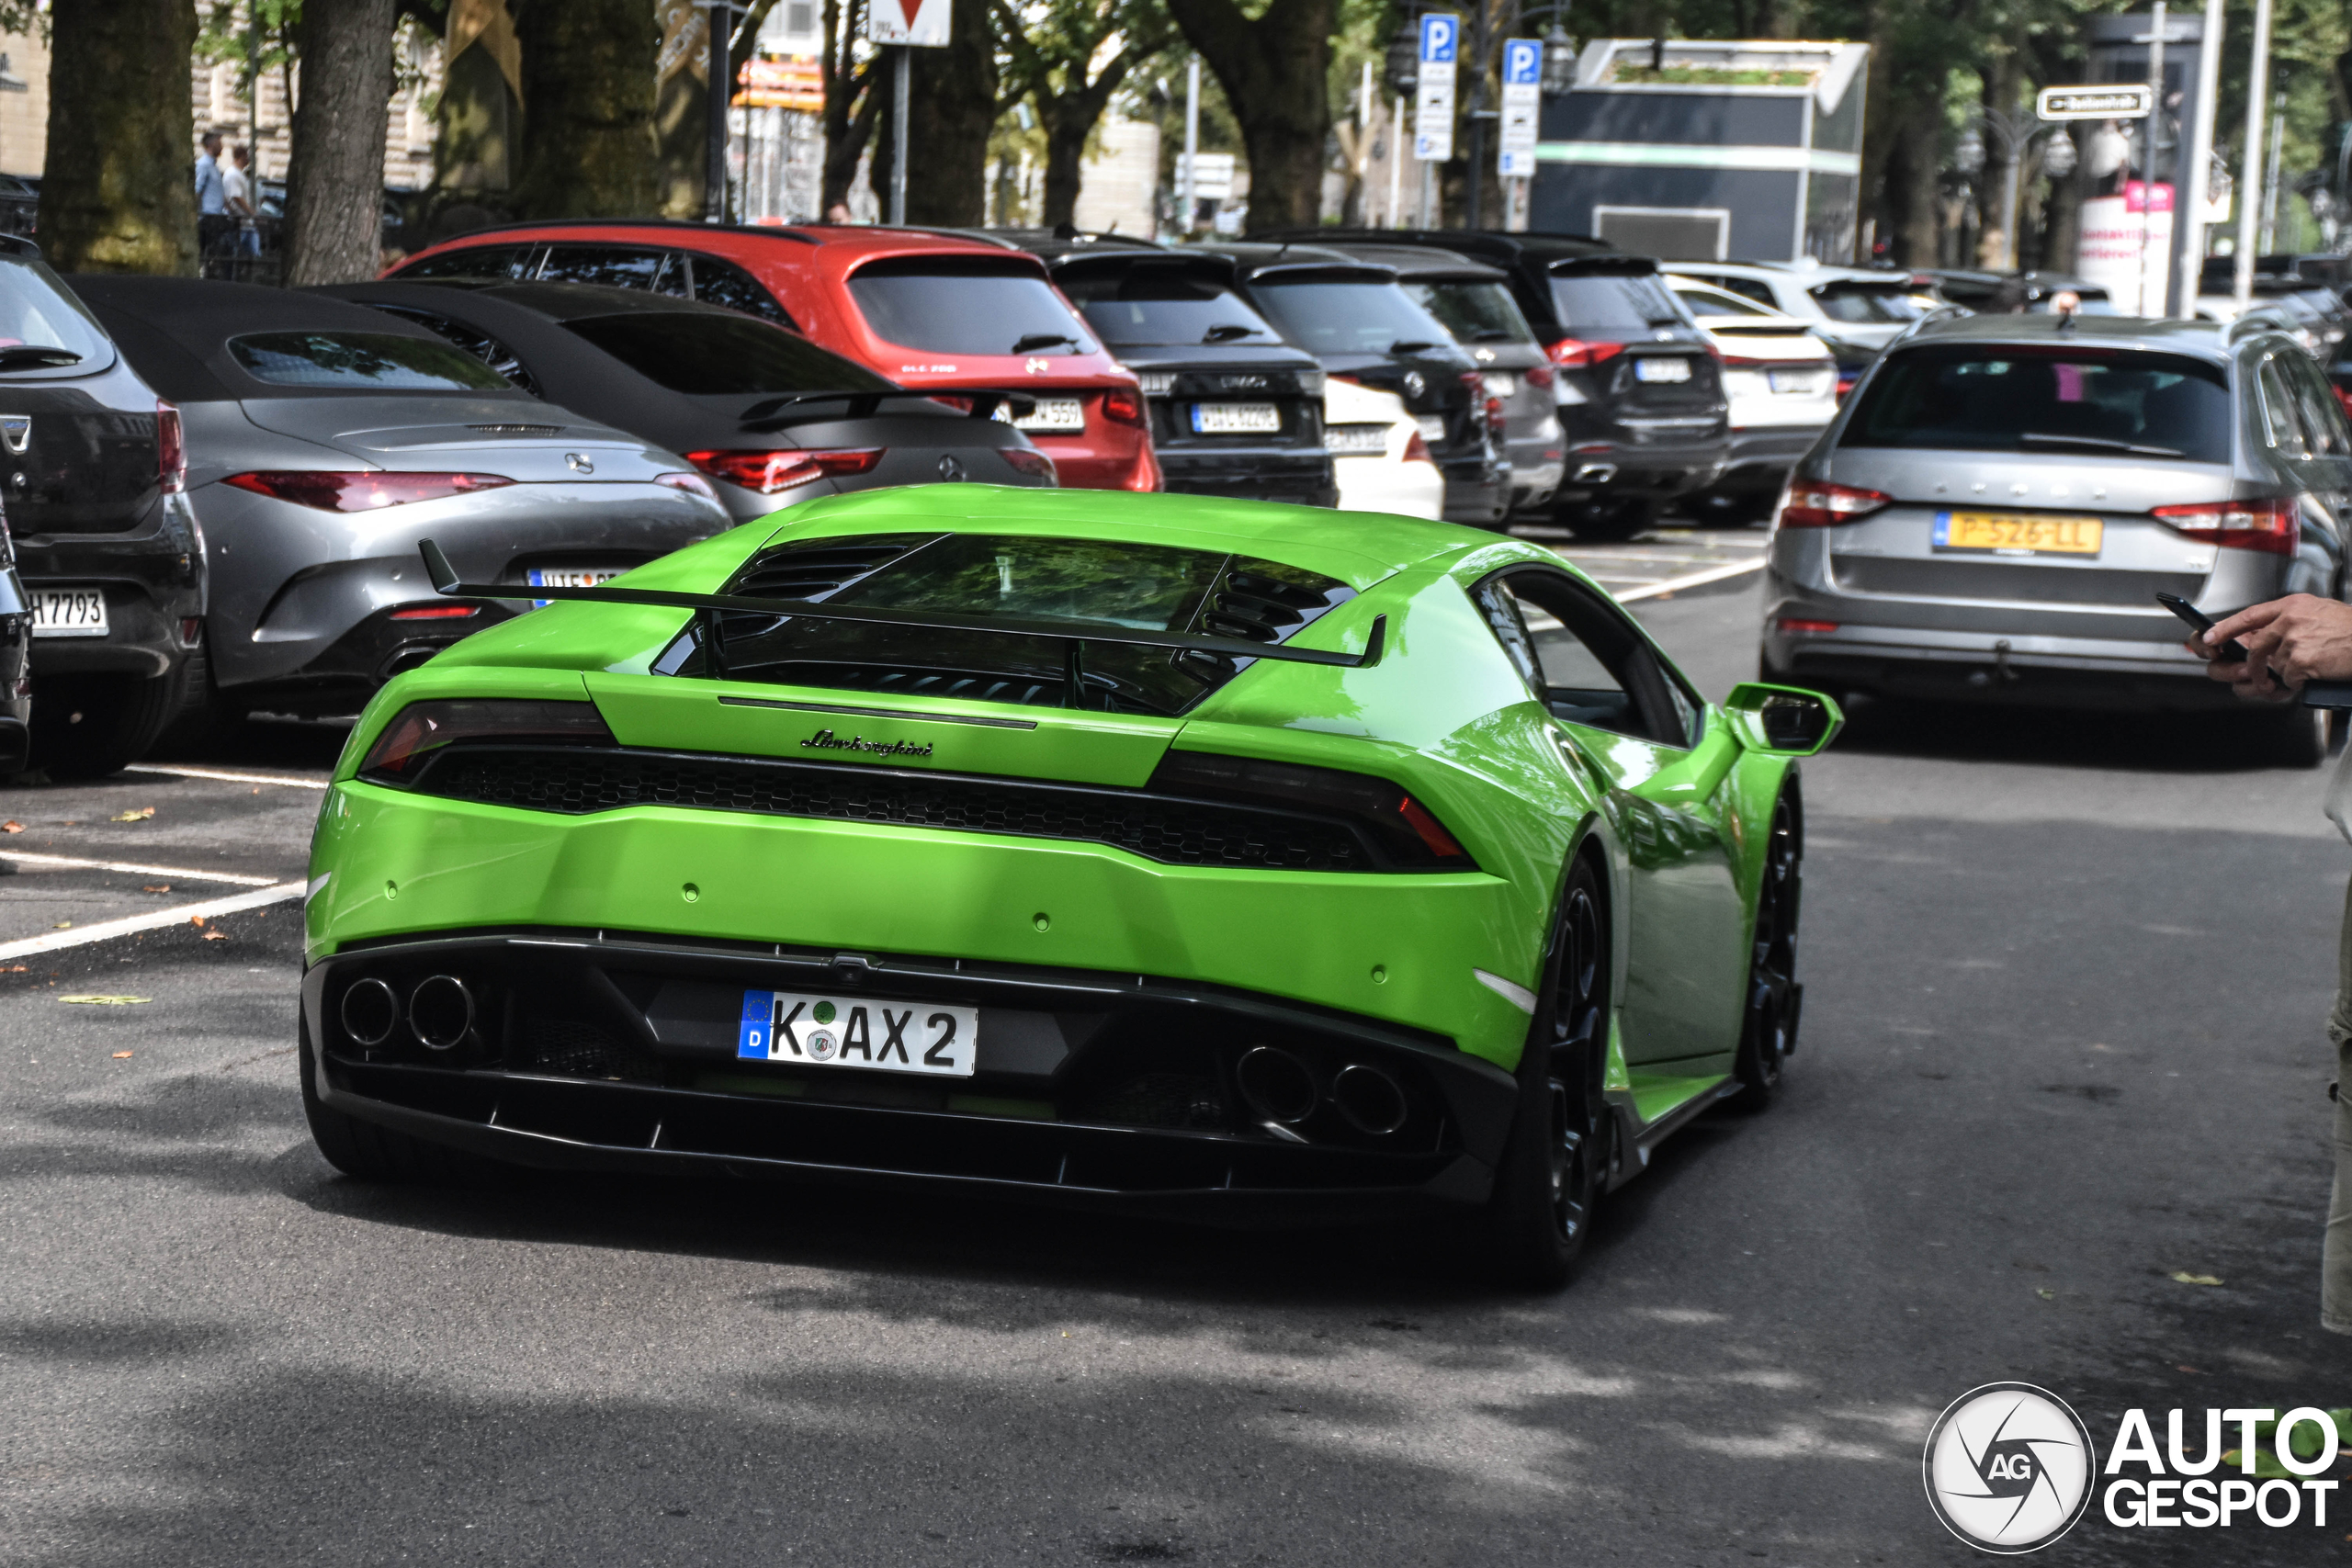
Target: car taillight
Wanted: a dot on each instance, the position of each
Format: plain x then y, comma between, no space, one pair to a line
1123,408
768,472
1494,421
1405,831
1816,503
1036,465
171,449
1539,374
1416,450
2342,397
2274,526
1845,385
1576,354
1476,380
1787,626
693,484
422,728
436,612
332,491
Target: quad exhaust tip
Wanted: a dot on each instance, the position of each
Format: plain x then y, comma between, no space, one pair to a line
441,1011
1276,1084
1369,1100
370,1013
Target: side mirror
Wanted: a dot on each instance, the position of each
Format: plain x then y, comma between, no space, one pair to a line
1782,718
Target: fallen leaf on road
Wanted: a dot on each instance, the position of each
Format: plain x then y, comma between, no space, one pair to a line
158,887
13,969
122,1056
196,920
137,814
2047,1295
61,925
2188,1279
12,827
216,936
98,1001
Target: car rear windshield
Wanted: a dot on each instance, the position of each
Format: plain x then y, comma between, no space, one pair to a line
953,307
471,261
362,362
1106,583
36,313
1148,308
707,355
2007,398
1613,304
1350,316
1474,311
1867,303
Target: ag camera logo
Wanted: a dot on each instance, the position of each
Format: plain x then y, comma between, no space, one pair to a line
2008,1467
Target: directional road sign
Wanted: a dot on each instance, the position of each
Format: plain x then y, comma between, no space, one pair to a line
2119,100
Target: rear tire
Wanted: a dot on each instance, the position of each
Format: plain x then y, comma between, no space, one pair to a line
1775,997
85,726
1606,520
2296,737
205,724
366,1152
1557,1162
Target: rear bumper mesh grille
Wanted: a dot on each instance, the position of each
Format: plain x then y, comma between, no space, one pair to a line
1159,828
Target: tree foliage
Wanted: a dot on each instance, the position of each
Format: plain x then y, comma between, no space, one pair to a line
1070,58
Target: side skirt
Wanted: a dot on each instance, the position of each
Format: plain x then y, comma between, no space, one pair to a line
1637,1140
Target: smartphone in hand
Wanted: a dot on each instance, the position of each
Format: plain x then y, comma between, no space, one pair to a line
2230,652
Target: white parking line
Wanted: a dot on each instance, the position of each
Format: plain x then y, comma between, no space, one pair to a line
155,919
235,878
1695,580
226,777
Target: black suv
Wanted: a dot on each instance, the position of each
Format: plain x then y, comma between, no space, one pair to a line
1235,410
1640,397
92,470
1358,321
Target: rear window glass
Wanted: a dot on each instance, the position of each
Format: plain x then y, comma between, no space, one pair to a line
36,313
1867,302
1473,312
2005,399
362,362
1613,304
473,261
708,354
1148,308
1332,316
963,310
1101,583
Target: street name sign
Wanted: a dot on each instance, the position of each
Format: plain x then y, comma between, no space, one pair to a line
2118,100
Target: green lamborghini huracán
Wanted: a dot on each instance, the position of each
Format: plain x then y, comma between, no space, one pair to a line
1237,861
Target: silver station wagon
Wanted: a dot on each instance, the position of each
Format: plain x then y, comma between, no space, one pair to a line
1995,508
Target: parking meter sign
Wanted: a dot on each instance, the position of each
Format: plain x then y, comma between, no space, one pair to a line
1523,102
1433,97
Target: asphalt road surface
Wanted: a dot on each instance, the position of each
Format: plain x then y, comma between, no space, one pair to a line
2066,979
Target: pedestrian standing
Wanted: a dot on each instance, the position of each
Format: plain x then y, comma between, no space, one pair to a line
212,217
2301,638
237,181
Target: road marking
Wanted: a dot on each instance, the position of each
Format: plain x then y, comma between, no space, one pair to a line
226,777
238,878
1695,580
178,915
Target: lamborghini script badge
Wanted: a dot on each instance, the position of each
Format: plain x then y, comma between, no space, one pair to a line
826,740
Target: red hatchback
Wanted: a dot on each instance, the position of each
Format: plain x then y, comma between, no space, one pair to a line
945,313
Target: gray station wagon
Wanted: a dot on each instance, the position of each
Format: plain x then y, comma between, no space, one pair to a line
1993,511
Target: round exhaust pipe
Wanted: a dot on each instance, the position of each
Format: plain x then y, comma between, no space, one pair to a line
1276,1084
441,1011
1369,1100
370,1011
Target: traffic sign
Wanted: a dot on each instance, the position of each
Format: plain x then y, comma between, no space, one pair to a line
1522,104
921,24
1434,94
2119,100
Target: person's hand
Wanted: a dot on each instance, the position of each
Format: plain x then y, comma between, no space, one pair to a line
2301,637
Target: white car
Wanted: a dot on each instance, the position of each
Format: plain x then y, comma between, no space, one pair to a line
1377,454
1856,311
1781,382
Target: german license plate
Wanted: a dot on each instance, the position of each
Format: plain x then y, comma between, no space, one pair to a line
571,577
809,1030
1431,426
1500,384
2005,534
69,612
1799,383
1236,418
1661,367
1065,414
1356,440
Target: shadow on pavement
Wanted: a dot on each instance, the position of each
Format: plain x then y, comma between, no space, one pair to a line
2162,742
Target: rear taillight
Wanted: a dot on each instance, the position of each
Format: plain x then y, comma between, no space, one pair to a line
693,484
1417,450
2343,398
768,472
1576,354
2272,525
1816,503
1494,421
1036,465
331,491
171,449
1539,375
1407,833
1787,626
1123,408
436,612
422,728
1845,385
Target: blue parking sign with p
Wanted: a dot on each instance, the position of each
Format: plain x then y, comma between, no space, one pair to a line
1438,36
1522,62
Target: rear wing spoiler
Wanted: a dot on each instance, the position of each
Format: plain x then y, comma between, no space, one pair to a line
709,607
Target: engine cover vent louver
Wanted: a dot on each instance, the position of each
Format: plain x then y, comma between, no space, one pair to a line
812,573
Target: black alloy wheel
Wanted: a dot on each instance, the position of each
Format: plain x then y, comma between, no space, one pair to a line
1557,1165
1774,996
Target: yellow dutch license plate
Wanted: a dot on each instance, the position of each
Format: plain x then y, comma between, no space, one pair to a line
2007,533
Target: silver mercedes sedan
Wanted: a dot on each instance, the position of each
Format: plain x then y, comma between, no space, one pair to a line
1995,510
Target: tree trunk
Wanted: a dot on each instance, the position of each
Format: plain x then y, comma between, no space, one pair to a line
335,179
588,147
118,192
1911,172
1274,70
852,100
1066,132
950,111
